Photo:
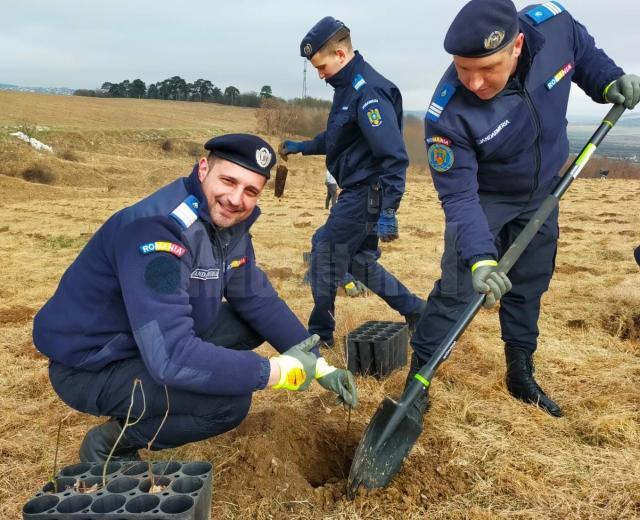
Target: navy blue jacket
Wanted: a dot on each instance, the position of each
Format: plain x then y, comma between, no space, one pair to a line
150,281
363,140
517,141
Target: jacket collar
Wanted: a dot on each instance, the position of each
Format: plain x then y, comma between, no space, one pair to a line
534,40
193,186
344,77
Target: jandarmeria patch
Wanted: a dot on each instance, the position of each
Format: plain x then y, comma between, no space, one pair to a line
205,274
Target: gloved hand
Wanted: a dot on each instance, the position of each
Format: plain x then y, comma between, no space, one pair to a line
287,147
354,288
624,91
387,225
339,381
297,365
488,280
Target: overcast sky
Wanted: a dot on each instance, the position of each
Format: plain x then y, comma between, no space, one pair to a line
82,43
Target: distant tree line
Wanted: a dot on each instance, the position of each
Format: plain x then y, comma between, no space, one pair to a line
177,89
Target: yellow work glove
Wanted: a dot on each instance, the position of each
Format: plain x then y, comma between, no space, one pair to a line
297,365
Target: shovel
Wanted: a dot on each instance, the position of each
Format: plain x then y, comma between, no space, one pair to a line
392,431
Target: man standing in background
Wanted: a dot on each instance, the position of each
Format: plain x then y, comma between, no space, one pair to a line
366,154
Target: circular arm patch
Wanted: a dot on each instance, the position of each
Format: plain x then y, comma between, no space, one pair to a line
163,274
440,157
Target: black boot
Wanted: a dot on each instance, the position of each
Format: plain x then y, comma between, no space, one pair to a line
520,381
413,318
99,440
421,404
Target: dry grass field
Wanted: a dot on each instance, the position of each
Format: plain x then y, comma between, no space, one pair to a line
482,455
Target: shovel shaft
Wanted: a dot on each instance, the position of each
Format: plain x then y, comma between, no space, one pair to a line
445,348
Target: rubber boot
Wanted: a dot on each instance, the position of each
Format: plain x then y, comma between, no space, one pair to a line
99,440
413,318
520,381
421,404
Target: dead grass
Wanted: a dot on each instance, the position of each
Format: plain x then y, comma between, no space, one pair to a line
69,155
482,455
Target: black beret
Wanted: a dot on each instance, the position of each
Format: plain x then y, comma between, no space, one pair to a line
319,34
636,253
246,150
481,28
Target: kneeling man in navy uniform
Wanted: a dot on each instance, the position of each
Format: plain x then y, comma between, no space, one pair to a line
168,292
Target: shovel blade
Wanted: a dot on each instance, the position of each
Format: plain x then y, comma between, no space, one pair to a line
375,468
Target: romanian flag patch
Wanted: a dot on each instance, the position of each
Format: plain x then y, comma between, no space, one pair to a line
238,262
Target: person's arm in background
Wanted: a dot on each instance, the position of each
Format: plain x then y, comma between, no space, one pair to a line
316,146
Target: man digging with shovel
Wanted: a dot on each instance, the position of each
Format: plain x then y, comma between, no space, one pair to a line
496,138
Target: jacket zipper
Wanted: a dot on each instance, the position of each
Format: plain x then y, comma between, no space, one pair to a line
536,124
218,240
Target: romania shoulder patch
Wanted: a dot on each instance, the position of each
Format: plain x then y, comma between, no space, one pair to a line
163,247
439,140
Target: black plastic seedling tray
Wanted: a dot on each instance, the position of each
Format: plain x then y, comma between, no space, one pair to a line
185,493
377,348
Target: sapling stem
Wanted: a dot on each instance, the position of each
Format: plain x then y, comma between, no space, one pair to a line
55,457
136,382
150,443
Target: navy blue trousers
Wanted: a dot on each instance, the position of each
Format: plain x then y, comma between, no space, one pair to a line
192,416
531,275
347,242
